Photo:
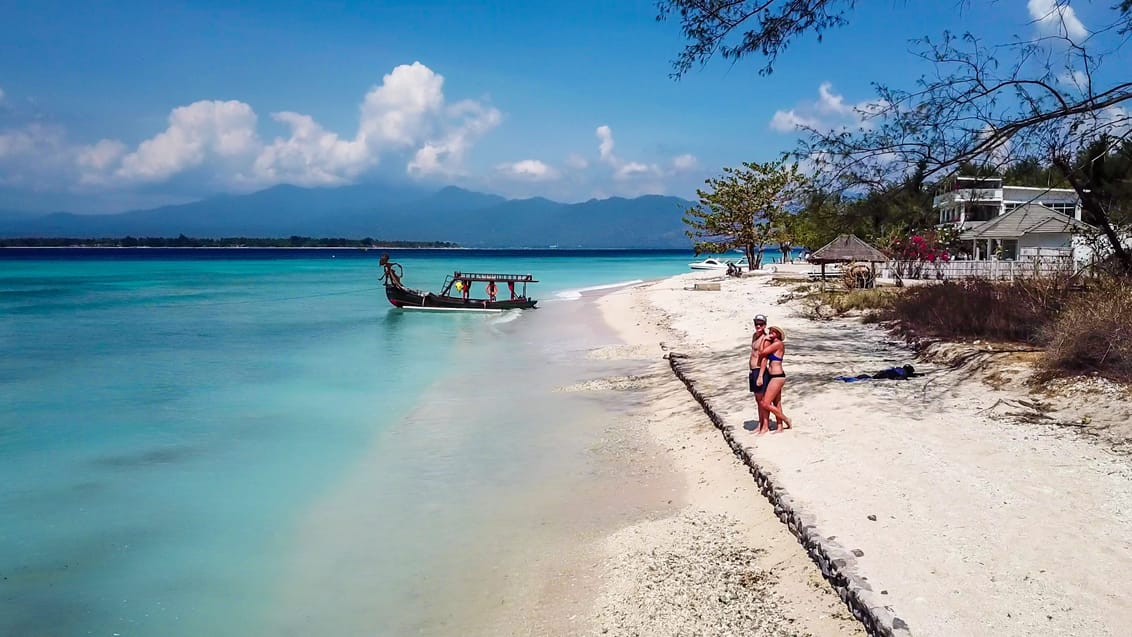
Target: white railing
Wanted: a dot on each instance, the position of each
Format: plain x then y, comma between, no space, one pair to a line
1026,267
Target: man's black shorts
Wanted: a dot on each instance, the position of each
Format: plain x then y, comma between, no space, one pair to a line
753,381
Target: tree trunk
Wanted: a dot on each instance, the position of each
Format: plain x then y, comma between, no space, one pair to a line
785,247
1090,203
750,248
758,262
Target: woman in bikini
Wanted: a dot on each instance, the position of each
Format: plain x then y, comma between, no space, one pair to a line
772,351
758,375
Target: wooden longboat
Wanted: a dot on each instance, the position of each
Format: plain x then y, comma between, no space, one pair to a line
461,284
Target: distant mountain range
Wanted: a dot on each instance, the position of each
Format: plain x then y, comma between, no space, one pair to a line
471,219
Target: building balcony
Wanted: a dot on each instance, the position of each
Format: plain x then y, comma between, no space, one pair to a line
968,196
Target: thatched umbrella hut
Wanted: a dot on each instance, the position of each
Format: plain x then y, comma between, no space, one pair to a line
847,248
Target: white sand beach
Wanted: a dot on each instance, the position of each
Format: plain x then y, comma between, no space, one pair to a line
953,506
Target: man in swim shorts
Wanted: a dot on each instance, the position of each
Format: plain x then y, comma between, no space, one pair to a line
756,364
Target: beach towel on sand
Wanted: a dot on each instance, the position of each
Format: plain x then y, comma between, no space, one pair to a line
853,379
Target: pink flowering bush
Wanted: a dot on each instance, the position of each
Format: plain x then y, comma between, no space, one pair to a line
913,251
921,247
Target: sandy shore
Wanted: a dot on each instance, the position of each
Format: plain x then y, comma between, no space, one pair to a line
945,507
714,561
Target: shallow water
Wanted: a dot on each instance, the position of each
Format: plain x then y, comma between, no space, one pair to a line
231,446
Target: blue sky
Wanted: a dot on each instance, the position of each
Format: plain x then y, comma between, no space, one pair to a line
110,106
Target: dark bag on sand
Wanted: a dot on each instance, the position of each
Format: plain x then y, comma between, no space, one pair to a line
896,373
892,373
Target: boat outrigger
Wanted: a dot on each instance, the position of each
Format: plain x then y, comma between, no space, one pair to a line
460,283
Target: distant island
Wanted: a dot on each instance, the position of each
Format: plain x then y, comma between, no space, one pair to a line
401,213
182,241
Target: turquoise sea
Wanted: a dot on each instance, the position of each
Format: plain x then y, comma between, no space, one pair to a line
254,442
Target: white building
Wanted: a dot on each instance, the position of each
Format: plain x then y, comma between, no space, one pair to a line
1009,222
966,200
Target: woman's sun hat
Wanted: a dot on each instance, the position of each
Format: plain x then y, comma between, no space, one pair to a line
781,334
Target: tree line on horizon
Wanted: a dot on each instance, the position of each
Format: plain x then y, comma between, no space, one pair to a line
182,241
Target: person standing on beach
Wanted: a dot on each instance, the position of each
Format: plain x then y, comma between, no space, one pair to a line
757,378
771,352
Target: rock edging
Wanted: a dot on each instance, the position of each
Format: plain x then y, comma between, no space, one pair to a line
832,560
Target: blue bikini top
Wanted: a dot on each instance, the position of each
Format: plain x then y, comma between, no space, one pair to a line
773,357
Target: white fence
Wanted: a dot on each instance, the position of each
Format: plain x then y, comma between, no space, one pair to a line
1026,267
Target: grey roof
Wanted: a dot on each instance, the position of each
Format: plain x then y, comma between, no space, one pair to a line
846,247
1028,219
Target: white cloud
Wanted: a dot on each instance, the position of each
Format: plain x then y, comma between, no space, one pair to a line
605,148
1114,121
34,156
1056,17
398,112
684,162
828,112
1075,78
196,132
219,140
622,169
790,121
577,162
830,102
631,177
93,161
630,169
445,155
23,141
311,156
531,169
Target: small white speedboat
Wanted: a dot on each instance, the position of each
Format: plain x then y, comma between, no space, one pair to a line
717,264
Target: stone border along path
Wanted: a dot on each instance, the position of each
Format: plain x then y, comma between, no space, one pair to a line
836,564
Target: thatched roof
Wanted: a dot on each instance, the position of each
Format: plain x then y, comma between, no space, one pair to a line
846,247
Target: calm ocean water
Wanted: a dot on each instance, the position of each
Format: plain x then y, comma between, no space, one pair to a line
252,442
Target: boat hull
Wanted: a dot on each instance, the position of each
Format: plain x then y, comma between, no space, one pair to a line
452,310
712,264
404,297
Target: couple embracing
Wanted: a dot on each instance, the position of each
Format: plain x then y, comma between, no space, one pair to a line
767,377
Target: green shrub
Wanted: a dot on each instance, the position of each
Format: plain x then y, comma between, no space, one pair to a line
824,305
863,299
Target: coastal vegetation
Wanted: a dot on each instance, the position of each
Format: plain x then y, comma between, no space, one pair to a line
182,241
1035,110
1079,329
1032,106
746,208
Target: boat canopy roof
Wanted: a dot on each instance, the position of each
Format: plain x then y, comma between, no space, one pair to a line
478,276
